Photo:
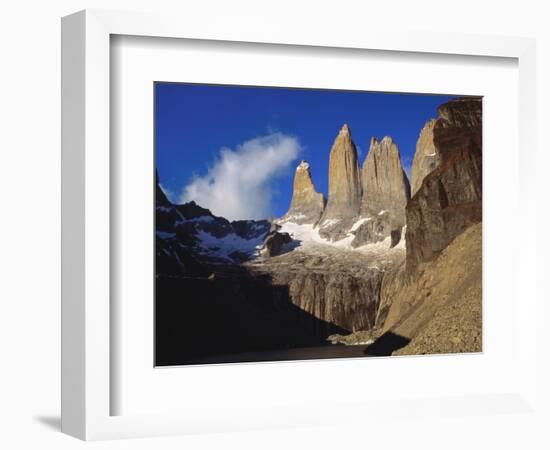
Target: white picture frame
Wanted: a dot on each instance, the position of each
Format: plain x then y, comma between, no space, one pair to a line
86,220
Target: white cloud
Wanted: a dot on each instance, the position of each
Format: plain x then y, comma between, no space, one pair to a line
237,186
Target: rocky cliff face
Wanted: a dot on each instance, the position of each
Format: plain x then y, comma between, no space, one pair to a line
376,229
344,180
426,156
333,288
385,184
449,199
307,204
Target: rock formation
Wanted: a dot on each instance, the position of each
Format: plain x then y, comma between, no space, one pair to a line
385,184
426,156
344,185
450,197
307,204
333,288
376,229
274,243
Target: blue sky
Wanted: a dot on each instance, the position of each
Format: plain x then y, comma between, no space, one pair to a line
194,122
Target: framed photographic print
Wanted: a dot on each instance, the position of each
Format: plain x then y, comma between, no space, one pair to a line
253,217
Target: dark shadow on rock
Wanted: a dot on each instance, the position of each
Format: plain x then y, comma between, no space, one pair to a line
52,422
386,344
227,312
295,243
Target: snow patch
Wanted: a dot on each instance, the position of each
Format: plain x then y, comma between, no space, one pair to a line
225,246
330,222
258,227
165,235
360,222
311,240
200,219
368,342
298,216
304,165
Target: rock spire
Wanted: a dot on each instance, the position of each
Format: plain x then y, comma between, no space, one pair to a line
307,204
344,182
386,187
426,156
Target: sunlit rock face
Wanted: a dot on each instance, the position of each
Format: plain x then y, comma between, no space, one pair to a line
344,185
307,204
449,199
426,156
385,185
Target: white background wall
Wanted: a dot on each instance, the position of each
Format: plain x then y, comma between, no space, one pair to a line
30,198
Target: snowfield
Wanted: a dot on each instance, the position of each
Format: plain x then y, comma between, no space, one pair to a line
311,240
360,222
225,246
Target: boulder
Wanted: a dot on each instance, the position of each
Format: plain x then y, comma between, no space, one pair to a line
274,243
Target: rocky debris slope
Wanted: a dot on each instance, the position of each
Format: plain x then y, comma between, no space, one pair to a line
344,180
426,157
440,308
385,184
450,197
307,204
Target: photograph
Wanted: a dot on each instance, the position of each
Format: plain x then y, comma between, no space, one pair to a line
302,224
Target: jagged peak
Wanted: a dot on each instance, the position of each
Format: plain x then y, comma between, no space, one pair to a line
386,142
345,129
304,165
429,123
